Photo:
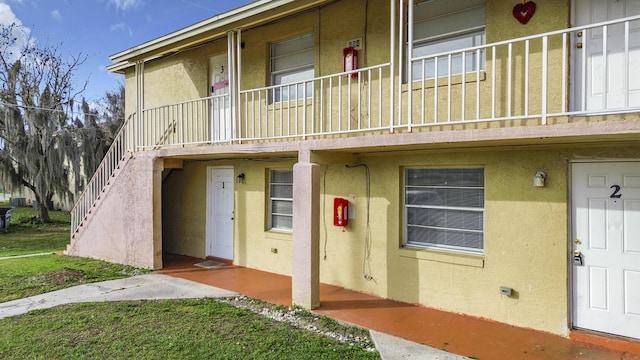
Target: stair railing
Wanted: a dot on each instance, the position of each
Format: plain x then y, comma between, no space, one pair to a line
95,187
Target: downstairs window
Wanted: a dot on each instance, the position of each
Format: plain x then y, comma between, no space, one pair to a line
444,208
281,200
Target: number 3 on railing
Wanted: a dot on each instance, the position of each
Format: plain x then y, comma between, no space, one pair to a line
616,192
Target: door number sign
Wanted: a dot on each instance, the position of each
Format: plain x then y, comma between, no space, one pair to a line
616,192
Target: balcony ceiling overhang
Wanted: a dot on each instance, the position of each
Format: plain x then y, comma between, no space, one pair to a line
253,14
580,134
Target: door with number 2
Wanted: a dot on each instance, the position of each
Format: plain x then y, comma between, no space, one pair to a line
606,245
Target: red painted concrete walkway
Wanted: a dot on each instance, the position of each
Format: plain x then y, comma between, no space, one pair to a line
459,334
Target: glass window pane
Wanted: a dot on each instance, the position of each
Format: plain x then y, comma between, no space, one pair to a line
281,222
282,207
281,191
445,238
441,218
282,176
439,17
292,45
445,177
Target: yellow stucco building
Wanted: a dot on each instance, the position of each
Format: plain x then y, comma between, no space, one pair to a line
488,155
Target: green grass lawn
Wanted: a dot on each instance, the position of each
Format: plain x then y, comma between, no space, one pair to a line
26,236
176,329
23,277
28,276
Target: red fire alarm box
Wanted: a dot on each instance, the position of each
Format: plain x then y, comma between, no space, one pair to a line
350,60
340,212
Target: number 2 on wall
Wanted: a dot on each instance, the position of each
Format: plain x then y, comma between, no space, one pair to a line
616,192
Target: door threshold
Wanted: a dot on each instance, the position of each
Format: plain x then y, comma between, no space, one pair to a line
610,341
226,261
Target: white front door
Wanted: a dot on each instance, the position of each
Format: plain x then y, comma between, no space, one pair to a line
611,81
220,212
606,243
220,101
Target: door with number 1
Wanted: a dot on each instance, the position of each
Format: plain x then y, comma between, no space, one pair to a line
606,247
220,212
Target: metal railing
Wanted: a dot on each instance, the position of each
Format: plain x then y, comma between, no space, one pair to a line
100,179
342,103
199,121
526,78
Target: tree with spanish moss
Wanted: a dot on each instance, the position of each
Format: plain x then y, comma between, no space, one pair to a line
97,129
37,137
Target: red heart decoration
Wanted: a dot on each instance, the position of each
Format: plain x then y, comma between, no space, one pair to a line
524,12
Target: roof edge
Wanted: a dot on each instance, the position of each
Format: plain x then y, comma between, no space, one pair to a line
121,59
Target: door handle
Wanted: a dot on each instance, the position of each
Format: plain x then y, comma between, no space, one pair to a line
579,45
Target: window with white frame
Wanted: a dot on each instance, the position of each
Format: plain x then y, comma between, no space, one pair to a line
442,26
292,64
444,208
281,200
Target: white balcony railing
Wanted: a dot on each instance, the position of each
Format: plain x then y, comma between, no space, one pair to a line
529,78
329,105
342,103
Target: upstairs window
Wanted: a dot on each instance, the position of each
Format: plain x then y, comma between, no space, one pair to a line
281,200
441,26
444,208
292,61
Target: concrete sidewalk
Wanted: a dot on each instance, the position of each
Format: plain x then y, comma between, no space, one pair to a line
159,286
142,287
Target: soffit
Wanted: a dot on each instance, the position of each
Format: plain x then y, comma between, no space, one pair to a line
248,16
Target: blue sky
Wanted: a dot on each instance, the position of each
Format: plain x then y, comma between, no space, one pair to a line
100,28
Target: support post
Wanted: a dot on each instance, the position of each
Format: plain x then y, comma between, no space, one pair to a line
306,235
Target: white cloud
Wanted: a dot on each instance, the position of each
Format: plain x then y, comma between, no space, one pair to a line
118,27
55,15
125,5
121,26
21,34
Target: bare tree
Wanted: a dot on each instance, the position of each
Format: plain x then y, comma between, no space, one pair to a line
37,140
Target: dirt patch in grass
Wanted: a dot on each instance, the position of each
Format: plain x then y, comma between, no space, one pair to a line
65,276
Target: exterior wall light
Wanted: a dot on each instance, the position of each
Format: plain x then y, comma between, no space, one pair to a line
240,178
539,178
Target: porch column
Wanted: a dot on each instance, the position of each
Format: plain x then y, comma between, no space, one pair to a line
306,235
